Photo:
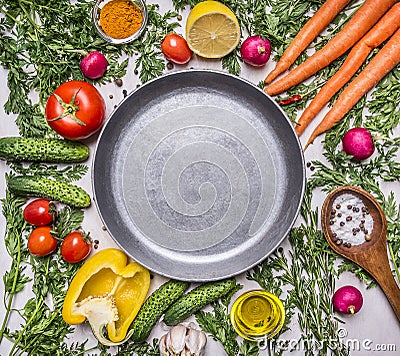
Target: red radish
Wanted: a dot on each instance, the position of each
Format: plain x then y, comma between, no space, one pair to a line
347,300
93,65
359,143
255,51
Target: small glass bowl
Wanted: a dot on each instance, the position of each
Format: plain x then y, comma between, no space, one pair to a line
96,21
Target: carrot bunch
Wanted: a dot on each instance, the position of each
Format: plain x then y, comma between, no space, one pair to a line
371,25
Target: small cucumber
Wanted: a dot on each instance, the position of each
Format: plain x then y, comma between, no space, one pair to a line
48,188
154,307
42,150
197,299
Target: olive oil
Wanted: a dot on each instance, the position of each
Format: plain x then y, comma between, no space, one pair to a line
257,314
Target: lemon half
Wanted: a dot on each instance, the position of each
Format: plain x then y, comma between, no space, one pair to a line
212,30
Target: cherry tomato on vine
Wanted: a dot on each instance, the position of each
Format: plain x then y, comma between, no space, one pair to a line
41,242
76,110
176,49
76,247
39,212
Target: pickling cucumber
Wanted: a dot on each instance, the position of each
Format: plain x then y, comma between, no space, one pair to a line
42,150
154,307
47,188
197,299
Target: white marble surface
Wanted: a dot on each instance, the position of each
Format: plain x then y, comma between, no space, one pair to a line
374,328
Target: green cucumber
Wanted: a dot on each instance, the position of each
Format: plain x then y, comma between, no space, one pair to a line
197,299
47,188
42,150
154,307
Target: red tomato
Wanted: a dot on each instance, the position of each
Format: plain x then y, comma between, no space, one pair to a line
41,242
76,110
176,49
75,247
38,212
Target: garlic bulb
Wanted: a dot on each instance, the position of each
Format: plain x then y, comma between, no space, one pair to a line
183,341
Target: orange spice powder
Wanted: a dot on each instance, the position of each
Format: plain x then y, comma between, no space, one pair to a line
120,18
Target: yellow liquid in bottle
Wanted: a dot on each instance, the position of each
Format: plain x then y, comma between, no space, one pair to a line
257,314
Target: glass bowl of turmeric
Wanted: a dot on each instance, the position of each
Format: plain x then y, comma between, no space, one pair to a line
119,21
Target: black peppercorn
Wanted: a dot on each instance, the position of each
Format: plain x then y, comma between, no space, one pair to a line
170,65
118,82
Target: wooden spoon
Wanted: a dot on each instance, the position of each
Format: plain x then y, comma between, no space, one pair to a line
370,255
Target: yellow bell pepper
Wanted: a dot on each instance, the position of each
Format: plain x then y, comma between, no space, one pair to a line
108,292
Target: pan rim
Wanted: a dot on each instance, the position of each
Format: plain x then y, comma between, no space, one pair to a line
279,241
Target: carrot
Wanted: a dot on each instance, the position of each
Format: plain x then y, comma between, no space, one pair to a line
366,16
384,61
386,26
322,18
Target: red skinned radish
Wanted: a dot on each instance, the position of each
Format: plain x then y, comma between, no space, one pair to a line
93,65
255,51
347,300
358,143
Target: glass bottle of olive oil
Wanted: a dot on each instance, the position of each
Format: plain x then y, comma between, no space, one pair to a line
257,314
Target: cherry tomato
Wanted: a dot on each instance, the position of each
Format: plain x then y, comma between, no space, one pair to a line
176,49
41,242
76,247
76,110
38,212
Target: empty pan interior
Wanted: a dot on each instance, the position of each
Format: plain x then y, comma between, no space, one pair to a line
198,175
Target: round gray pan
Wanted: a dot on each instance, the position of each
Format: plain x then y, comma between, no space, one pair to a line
198,175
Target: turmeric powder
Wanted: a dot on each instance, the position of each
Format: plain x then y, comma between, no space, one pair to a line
120,18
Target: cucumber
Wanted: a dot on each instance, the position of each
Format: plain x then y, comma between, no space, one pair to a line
47,188
197,299
154,307
42,150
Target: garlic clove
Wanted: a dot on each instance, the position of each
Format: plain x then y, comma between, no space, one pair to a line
176,339
163,346
195,342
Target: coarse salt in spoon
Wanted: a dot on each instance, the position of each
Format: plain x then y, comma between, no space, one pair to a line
354,225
